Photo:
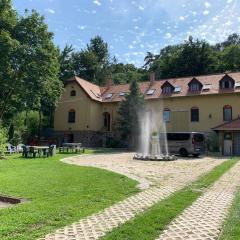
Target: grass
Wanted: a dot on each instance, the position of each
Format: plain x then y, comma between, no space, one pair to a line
60,194
231,229
151,223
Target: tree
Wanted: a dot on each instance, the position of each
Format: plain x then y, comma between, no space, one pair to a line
233,39
92,63
31,67
66,68
128,122
188,59
149,59
230,58
3,140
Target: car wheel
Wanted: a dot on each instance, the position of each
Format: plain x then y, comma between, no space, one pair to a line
183,152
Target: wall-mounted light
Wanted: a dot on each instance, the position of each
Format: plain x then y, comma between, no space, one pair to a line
210,115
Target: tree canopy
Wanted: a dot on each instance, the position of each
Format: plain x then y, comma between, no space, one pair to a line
29,67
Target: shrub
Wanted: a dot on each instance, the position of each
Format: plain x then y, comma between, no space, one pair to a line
3,139
212,142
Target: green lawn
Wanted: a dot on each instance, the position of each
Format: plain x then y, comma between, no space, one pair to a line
60,194
148,225
231,229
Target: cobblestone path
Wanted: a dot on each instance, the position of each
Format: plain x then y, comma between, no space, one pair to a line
203,220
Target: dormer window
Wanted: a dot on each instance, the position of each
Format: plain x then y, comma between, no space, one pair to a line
227,82
167,88
194,85
73,93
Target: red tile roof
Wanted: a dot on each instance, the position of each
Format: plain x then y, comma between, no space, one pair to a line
100,93
232,125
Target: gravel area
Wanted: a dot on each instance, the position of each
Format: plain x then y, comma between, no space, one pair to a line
149,173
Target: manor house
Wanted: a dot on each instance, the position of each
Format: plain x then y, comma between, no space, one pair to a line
87,113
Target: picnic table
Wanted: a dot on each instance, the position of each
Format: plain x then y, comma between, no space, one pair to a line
41,151
71,147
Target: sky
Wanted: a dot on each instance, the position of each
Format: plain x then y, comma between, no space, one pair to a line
133,27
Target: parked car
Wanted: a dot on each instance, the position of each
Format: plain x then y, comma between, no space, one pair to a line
185,143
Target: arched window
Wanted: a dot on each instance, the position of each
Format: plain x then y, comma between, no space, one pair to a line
227,113
166,115
73,93
72,116
194,114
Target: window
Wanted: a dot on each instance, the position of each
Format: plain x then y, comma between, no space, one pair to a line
194,115
177,89
166,115
195,87
167,90
150,91
227,113
178,136
237,85
207,87
71,116
227,82
107,121
73,93
109,95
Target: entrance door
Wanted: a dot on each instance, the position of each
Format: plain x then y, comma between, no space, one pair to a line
228,144
227,147
237,144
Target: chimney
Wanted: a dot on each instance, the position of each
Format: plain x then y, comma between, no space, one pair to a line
152,78
109,83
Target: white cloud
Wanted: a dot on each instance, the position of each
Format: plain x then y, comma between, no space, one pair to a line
81,27
181,18
140,7
207,4
49,10
168,35
206,12
97,2
229,1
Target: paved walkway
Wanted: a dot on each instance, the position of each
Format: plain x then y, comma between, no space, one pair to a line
163,177
204,219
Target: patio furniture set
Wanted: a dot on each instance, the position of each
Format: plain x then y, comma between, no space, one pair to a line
71,148
40,151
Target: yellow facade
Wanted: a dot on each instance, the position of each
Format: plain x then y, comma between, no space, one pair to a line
90,113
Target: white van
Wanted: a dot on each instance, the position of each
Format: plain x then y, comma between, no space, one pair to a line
185,143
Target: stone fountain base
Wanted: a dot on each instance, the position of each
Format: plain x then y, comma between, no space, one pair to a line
162,157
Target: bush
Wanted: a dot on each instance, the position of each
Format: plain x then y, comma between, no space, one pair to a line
3,139
115,143
212,142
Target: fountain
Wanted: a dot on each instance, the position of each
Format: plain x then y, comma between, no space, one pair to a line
153,143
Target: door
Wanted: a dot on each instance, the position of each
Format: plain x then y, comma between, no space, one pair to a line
227,147
236,144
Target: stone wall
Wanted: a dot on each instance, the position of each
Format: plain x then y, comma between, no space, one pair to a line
87,138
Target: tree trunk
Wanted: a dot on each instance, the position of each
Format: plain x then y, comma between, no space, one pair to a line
39,123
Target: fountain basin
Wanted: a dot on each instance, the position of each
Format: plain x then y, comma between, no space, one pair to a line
162,157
